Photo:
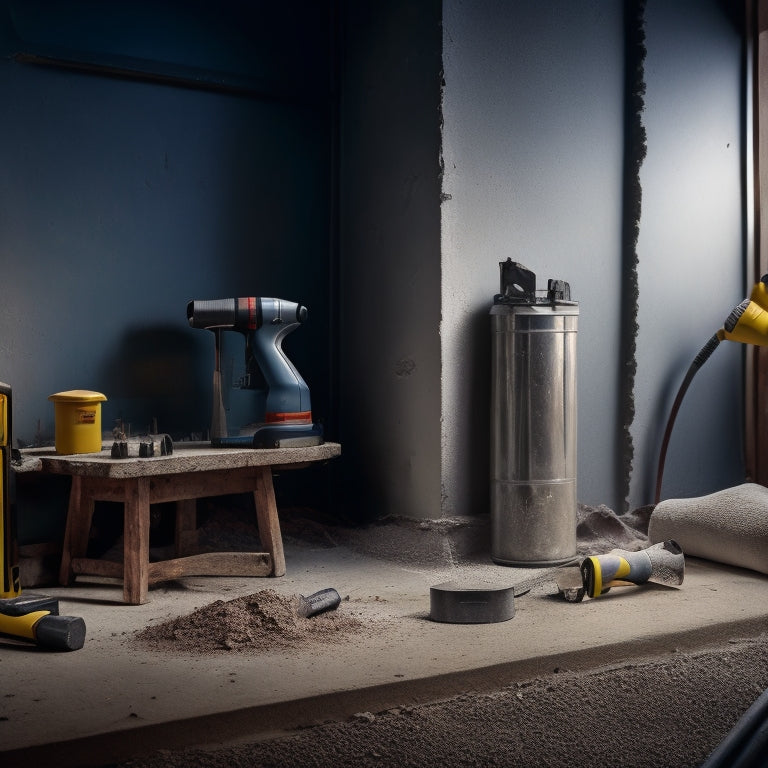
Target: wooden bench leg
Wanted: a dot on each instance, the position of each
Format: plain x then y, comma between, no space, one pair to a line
136,541
267,519
78,528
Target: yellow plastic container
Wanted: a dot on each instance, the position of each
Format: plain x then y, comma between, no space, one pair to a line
77,419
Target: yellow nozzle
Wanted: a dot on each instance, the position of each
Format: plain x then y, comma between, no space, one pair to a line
760,292
748,323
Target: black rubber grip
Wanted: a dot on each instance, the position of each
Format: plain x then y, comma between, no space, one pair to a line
735,316
60,633
588,577
319,602
212,313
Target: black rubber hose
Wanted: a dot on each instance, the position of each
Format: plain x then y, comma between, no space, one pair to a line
746,744
704,354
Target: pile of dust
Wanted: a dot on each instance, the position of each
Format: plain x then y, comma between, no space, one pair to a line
599,529
262,621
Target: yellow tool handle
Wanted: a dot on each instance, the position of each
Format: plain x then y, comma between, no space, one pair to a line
618,568
44,628
22,627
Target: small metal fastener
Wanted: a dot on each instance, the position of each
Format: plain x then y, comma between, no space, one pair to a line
119,450
146,449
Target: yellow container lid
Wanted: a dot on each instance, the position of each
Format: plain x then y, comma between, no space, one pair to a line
77,396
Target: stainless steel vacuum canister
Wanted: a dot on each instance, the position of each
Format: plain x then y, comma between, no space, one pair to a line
533,421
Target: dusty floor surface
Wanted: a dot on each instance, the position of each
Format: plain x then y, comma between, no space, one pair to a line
561,685
659,713
667,712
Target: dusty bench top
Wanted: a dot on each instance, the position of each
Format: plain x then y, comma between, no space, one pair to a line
186,457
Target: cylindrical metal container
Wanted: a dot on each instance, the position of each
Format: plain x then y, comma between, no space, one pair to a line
77,421
533,423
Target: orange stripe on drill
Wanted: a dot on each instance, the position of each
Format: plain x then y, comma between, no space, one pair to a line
295,417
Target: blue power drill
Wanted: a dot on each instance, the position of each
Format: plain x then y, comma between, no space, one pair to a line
286,418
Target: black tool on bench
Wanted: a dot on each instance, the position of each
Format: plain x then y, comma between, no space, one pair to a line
143,447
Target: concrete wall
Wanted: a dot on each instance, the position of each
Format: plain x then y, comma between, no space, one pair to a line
390,367
122,200
532,144
691,248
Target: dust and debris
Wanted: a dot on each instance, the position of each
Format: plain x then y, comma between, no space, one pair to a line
266,620
253,623
599,529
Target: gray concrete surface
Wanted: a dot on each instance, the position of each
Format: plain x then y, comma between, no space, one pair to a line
669,711
113,699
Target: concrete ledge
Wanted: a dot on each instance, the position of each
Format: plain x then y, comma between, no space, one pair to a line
90,707
252,723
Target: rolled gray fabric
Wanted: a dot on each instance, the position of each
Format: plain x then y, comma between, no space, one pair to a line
729,526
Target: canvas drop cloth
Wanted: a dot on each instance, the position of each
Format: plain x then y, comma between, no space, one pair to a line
729,526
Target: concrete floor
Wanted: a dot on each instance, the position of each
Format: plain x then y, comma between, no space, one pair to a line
112,700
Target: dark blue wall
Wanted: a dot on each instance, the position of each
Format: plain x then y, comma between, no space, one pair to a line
122,198
153,153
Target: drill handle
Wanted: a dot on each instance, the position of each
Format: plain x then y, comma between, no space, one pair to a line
287,392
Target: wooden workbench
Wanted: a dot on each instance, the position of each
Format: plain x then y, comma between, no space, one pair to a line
192,471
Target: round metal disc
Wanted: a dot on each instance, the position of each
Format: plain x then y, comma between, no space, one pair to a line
457,603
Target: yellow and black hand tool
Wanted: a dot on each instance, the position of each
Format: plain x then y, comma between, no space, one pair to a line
662,563
9,562
35,619
31,618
